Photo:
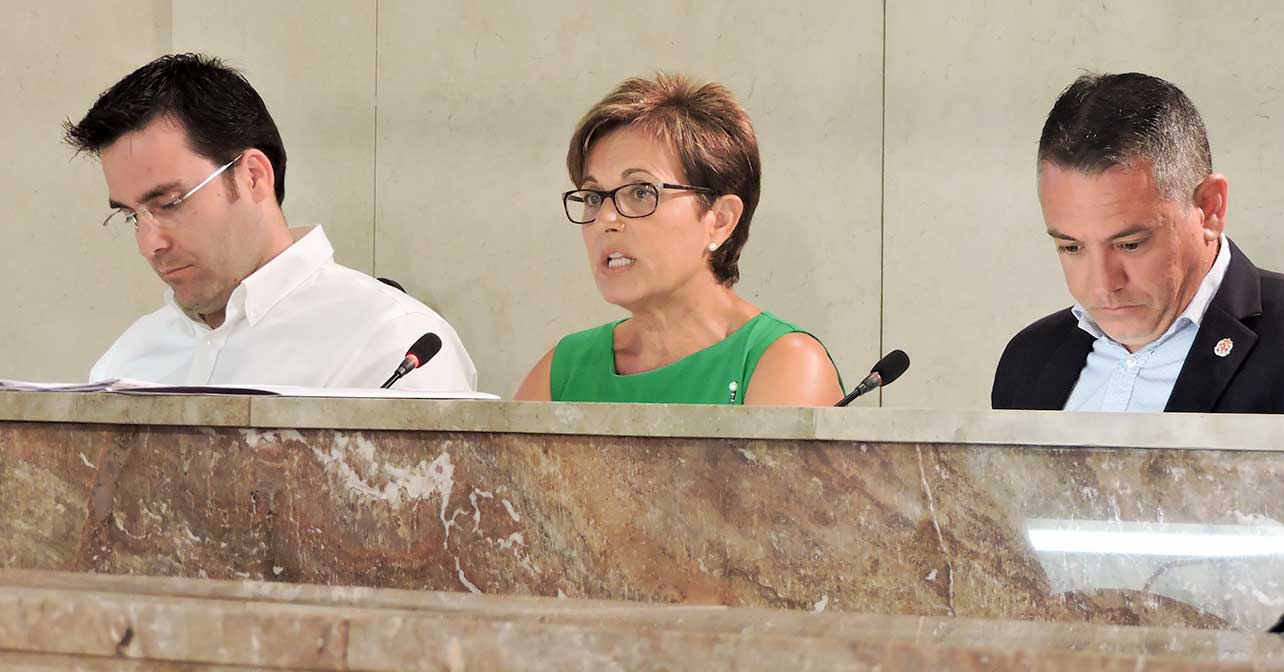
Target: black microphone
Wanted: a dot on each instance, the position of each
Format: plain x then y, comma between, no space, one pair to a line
887,370
423,350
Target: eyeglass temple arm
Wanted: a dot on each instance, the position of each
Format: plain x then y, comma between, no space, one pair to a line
687,187
211,177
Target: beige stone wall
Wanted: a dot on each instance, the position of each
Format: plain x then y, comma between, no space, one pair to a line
69,285
429,139
314,65
476,110
969,84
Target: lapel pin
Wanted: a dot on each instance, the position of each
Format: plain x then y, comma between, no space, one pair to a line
1223,347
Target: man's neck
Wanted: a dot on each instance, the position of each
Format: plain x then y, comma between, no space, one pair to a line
278,238
215,319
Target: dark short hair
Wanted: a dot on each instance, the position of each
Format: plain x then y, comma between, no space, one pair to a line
1102,121
708,131
222,114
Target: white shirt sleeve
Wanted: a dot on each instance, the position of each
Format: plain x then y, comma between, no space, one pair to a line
451,370
106,367
98,372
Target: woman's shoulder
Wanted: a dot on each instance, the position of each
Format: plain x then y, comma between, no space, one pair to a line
588,348
759,334
770,330
581,356
771,321
782,339
588,338
766,328
795,366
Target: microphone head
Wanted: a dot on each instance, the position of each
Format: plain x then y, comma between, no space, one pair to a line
424,349
891,366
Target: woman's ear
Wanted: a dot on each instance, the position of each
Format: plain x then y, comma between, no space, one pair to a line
723,217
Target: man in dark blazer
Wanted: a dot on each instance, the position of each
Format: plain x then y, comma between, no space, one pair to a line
1169,315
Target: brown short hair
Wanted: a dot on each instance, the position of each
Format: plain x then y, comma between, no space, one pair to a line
707,129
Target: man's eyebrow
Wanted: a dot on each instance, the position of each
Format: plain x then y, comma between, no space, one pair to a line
1130,231
154,192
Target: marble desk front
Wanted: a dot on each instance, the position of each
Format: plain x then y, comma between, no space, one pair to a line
1112,519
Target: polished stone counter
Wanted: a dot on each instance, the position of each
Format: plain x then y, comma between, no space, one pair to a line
1112,519
1026,428
56,621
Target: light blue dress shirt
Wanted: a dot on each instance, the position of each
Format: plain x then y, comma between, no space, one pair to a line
1114,379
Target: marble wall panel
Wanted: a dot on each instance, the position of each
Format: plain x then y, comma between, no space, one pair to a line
314,65
967,262
477,104
70,286
928,529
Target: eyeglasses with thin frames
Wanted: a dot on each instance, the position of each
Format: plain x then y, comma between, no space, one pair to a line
639,199
162,215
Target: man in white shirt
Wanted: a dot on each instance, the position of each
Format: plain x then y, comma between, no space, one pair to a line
195,166
1169,314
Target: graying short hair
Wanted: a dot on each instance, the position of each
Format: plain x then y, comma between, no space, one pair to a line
1102,121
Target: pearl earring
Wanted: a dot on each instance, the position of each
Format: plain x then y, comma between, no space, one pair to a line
713,247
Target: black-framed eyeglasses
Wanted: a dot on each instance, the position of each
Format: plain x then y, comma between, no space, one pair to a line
162,215
638,199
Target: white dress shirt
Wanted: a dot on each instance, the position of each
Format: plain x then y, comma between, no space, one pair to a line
299,320
1114,379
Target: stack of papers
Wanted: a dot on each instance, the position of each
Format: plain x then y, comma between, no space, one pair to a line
112,385
130,386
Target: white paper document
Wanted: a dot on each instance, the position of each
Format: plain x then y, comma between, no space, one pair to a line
111,385
129,386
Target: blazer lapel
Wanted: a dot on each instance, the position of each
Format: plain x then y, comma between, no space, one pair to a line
1205,375
1052,388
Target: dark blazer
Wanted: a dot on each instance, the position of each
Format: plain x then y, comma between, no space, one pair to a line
1041,364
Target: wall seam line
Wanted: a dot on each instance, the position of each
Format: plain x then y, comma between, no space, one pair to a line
374,169
882,208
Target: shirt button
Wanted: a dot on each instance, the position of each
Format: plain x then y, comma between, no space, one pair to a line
1132,361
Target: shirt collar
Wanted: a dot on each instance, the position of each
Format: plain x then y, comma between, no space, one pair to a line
191,320
1194,312
264,288
283,274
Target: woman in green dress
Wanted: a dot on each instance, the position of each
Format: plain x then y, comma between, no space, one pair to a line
666,176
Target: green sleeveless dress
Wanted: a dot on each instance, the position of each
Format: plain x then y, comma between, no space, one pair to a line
583,367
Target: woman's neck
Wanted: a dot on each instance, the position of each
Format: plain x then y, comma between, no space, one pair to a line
679,325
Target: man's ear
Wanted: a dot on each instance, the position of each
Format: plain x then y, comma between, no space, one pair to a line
1210,200
261,175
